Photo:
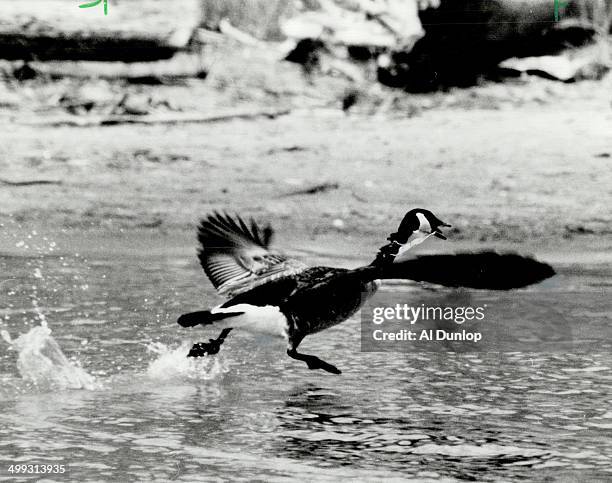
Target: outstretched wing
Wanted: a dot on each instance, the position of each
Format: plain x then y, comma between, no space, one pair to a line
235,255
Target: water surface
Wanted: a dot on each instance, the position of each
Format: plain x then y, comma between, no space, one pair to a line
251,413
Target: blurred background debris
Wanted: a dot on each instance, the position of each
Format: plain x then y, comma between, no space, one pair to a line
346,51
150,63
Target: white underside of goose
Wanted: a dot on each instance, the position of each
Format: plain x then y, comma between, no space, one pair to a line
267,320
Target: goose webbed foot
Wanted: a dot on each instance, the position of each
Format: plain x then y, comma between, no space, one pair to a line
211,347
313,362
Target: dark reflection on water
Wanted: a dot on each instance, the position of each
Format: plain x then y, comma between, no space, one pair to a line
256,415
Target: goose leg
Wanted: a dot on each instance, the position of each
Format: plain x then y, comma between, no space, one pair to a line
313,362
211,347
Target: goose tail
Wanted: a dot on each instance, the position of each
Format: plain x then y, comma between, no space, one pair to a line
203,317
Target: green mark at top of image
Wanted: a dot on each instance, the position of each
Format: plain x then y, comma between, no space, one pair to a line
94,3
558,6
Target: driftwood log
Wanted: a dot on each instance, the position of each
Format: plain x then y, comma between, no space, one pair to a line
100,46
176,70
222,116
138,30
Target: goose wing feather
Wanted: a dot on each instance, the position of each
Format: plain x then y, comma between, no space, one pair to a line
235,255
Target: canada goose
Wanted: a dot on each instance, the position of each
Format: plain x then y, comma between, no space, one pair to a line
270,293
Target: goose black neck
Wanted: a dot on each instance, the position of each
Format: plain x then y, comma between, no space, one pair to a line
387,253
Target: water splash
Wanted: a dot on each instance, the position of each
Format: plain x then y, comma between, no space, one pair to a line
42,362
172,363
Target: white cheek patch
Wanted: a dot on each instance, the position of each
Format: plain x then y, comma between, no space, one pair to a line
424,226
